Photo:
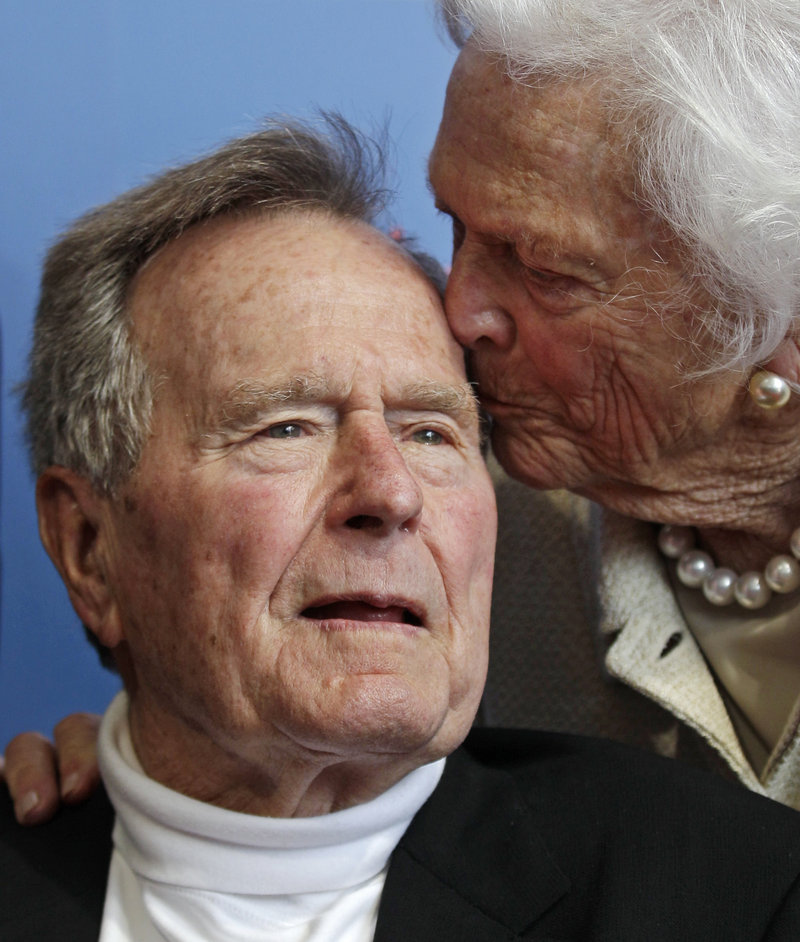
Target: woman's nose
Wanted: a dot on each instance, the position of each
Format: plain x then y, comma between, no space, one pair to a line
472,302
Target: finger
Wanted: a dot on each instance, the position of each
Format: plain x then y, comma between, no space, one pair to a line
76,750
32,779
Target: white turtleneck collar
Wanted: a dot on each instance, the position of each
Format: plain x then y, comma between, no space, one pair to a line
187,871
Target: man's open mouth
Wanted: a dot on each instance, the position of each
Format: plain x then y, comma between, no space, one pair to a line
358,610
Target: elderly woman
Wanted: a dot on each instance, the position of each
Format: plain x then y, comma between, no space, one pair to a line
623,178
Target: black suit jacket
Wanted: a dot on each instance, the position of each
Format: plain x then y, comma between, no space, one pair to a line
527,836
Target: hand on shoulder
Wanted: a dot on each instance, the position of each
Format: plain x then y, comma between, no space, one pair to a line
41,775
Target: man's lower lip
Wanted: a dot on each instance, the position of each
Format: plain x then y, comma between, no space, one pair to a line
375,627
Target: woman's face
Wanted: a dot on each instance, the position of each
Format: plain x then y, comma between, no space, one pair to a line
577,307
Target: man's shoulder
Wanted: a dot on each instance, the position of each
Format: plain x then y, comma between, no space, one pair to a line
54,875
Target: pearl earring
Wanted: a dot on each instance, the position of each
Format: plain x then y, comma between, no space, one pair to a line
769,390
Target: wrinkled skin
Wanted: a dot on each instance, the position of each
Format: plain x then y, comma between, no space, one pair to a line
296,579
577,308
579,311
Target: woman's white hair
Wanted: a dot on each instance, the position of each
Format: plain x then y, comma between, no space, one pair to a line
707,93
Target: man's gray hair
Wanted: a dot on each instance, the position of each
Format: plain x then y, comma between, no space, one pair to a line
88,396
707,95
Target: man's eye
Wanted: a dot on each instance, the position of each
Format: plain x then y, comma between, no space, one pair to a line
428,436
284,430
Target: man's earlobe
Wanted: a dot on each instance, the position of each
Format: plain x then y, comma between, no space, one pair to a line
72,526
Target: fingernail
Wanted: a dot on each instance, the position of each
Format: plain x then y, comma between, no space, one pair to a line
26,804
69,785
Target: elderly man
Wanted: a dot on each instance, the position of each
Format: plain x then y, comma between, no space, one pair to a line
261,479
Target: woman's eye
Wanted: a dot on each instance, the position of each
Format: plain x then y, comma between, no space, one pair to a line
457,228
547,279
428,436
562,292
458,234
284,430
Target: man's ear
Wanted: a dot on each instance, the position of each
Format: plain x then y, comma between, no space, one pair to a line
74,527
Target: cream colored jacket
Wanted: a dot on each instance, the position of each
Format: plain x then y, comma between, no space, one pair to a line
587,637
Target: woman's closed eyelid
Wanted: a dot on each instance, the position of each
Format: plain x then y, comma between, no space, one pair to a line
546,276
550,281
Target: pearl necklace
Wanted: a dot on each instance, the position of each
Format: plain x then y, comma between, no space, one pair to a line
720,585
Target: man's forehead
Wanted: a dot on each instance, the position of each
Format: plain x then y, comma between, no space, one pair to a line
313,319
211,254
273,273
281,252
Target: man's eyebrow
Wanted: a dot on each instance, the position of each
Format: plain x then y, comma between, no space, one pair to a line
245,402
244,405
456,399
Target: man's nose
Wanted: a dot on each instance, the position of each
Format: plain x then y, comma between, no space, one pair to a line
378,491
473,301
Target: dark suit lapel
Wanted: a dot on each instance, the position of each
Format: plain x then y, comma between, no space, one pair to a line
472,864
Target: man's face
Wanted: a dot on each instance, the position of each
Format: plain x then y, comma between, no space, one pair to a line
302,560
574,302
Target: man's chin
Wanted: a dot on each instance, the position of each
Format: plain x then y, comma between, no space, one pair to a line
384,719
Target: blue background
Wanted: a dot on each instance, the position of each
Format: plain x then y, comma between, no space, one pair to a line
97,95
